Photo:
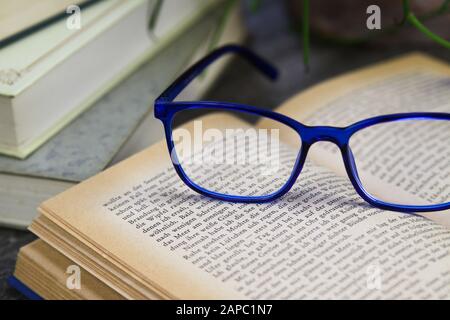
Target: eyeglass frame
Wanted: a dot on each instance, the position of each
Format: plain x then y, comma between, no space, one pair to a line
165,108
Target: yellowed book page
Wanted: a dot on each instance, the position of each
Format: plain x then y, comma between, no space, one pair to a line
18,15
92,262
304,105
152,263
45,267
414,83
319,241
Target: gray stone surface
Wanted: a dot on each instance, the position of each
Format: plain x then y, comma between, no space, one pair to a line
270,35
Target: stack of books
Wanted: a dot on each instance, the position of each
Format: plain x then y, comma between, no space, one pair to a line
77,81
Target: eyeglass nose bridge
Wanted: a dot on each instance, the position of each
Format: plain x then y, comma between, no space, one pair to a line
336,135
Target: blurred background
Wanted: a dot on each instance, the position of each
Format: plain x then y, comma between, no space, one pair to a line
340,42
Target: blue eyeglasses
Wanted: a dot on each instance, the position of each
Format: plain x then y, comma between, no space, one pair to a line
235,173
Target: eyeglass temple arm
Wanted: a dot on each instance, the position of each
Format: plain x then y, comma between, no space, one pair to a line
190,74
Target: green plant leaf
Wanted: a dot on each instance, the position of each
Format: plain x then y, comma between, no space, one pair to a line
413,20
155,15
218,32
255,5
444,7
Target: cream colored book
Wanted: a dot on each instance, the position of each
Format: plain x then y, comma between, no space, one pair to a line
19,15
140,231
48,78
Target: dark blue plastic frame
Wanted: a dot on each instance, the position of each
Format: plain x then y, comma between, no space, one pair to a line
166,108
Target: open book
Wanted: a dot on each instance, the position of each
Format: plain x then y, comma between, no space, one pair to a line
141,232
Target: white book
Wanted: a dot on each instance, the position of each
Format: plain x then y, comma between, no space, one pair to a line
50,77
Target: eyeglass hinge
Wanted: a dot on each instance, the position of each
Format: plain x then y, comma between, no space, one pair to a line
160,110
